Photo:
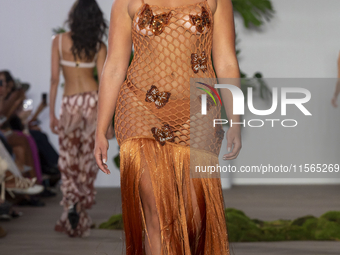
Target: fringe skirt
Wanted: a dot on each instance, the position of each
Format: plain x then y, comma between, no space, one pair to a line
190,210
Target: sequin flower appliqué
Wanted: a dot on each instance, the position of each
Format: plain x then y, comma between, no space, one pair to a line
163,134
198,62
200,21
155,96
155,22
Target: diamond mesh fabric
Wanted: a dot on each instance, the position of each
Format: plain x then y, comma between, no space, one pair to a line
169,49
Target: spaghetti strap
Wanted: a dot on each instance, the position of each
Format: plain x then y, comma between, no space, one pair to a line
60,46
142,1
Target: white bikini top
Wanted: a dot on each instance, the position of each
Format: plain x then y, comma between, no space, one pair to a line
76,64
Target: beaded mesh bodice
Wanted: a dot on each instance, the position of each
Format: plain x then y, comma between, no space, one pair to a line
171,45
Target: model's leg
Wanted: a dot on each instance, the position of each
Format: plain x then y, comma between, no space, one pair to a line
153,202
87,163
194,204
62,224
88,169
171,212
71,167
153,236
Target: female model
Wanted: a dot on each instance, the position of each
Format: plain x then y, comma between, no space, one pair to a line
77,53
164,210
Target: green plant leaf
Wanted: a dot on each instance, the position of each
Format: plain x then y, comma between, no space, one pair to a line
58,30
116,160
254,12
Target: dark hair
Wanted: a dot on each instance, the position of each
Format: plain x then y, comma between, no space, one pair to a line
88,27
8,76
15,123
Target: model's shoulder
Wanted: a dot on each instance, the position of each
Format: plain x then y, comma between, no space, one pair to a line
213,5
102,46
57,36
55,40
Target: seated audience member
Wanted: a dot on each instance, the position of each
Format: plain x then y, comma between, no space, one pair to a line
43,152
23,145
48,155
12,181
20,127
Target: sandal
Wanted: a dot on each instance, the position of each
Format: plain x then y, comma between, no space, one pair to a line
20,185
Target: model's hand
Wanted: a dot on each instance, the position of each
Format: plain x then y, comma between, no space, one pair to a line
54,123
334,102
234,139
100,153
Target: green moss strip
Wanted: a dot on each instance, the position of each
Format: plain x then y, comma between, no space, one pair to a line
243,229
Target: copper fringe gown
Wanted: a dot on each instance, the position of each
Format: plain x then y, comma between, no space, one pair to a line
159,136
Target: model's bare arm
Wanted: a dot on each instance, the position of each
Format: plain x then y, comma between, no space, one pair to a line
337,88
113,75
102,54
55,72
226,66
100,65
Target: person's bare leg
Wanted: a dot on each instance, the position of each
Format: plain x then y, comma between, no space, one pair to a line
194,219
16,140
19,153
153,236
197,214
22,159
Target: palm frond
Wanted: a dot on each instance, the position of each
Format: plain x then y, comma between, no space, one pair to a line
58,30
254,12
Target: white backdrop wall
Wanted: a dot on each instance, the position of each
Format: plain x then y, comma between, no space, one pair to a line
302,40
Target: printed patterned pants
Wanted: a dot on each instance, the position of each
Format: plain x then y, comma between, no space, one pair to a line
76,163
